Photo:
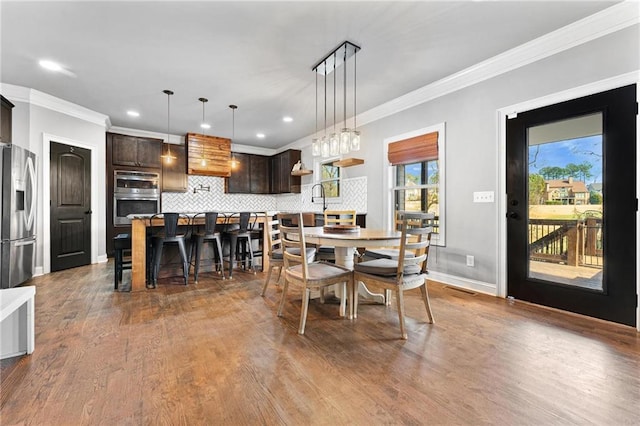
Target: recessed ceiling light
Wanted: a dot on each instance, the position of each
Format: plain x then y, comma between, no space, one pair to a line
287,119
50,65
260,135
205,126
132,113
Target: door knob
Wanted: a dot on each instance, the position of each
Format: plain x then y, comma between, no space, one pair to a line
512,215
88,212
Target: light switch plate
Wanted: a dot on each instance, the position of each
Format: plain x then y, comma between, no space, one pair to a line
483,197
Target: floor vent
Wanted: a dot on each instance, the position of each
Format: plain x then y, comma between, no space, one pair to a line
461,290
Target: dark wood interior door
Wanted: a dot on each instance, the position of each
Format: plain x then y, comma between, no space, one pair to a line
571,199
70,206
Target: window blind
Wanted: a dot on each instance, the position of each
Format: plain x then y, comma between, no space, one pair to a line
414,150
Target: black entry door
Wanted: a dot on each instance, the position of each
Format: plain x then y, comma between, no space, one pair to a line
571,199
70,206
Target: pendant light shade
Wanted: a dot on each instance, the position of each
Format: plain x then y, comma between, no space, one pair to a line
168,157
203,125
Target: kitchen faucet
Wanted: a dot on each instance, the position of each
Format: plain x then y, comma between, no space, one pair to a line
324,199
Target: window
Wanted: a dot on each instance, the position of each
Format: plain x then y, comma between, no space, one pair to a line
330,177
416,175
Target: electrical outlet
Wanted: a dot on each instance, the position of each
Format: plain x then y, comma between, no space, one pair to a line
470,260
483,197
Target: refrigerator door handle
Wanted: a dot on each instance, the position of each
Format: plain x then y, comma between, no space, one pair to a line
32,208
25,243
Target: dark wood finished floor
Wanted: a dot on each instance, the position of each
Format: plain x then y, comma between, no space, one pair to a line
216,353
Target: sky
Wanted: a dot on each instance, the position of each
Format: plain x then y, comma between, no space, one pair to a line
576,151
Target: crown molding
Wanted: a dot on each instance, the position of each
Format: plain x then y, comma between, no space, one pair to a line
607,21
173,139
44,100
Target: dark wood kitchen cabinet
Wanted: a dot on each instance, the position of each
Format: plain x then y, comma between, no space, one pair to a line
239,182
136,151
174,174
282,181
5,120
259,174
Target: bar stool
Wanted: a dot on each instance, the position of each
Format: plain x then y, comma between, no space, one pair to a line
121,243
209,234
240,240
169,235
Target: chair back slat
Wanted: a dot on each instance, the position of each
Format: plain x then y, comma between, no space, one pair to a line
292,236
416,228
340,217
273,226
210,222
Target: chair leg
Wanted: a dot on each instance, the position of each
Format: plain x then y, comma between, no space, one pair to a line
221,263
279,274
354,306
266,282
157,256
400,298
387,297
185,261
284,296
343,300
305,309
322,295
197,247
251,259
425,297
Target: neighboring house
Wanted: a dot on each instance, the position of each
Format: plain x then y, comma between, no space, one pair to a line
566,191
595,187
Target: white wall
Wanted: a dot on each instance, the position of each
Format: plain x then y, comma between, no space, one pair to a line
35,125
472,147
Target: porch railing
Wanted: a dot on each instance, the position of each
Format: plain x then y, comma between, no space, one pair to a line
571,242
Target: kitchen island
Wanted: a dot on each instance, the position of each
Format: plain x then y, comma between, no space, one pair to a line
140,224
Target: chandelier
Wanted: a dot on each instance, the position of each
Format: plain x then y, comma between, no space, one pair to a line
348,139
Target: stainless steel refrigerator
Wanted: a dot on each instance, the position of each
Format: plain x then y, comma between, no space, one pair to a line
18,221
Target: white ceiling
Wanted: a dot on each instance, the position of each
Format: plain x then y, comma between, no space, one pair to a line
258,55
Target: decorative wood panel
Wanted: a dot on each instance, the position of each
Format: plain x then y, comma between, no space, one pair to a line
216,152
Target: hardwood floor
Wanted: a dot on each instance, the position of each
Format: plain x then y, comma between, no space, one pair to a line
216,353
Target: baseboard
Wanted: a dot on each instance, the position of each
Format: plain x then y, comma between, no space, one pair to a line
39,270
465,283
102,258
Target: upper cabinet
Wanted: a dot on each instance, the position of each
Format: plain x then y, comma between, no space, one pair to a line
282,181
259,174
239,181
136,151
5,120
215,151
174,173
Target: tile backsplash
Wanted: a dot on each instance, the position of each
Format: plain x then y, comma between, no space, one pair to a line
354,197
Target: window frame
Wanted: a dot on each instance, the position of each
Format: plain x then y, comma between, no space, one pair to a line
438,239
318,173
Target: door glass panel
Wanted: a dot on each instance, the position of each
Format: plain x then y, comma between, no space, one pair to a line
565,202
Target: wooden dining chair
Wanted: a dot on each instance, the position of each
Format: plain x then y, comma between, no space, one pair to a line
276,256
335,217
405,272
309,275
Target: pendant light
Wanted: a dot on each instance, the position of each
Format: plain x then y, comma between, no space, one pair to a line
324,145
345,135
346,139
355,137
315,143
203,125
334,148
234,162
168,157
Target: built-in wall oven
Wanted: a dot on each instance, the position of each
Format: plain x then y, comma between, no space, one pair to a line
134,192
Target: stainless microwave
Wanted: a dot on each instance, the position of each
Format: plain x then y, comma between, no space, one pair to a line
135,182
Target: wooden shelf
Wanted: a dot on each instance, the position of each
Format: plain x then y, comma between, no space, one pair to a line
301,172
348,162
